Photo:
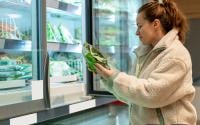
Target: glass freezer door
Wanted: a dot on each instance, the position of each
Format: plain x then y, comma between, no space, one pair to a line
64,45
113,33
20,80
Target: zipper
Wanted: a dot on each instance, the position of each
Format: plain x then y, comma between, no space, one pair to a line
160,116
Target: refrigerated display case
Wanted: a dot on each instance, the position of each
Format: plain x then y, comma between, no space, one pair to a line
113,27
19,58
64,45
41,61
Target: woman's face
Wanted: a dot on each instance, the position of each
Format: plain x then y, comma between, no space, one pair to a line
145,30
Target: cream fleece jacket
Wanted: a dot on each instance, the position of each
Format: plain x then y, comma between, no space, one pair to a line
162,79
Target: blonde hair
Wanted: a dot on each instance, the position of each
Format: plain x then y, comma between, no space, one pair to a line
168,14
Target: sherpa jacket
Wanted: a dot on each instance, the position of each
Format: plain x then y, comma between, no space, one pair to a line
162,79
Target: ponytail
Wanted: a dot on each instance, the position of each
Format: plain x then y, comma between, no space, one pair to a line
168,14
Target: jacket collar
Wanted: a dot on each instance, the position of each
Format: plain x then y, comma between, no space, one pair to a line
164,43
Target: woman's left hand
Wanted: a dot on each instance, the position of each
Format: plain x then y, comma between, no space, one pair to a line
104,72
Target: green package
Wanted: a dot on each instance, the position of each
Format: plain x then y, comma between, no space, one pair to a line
92,56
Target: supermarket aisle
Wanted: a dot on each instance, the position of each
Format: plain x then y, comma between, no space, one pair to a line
106,115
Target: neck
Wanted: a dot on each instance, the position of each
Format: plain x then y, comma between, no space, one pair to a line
158,37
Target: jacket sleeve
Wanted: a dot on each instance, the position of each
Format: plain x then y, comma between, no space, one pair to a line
160,89
108,86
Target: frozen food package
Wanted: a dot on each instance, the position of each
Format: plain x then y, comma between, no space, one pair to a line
92,56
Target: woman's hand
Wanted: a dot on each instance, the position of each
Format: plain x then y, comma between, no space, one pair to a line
102,71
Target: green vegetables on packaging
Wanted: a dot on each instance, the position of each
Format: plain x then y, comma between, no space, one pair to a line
92,56
11,69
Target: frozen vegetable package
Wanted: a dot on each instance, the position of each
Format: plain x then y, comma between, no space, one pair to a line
92,56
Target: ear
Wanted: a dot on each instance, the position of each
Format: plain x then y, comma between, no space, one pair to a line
156,23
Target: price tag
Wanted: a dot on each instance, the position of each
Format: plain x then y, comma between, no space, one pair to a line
82,106
24,120
37,89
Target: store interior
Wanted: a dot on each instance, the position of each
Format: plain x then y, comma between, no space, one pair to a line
43,74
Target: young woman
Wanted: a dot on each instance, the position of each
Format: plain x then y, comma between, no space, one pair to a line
160,91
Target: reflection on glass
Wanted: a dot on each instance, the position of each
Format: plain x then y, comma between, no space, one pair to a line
114,32
15,51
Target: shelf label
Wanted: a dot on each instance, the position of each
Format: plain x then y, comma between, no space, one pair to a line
82,106
37,89
24,120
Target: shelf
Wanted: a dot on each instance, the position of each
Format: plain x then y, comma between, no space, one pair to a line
109,11
19,45
22,45
63,47
26,45
12,84
61,8
106,21
57,9
70,7
111,19
60,13
15,6
63,79
113,49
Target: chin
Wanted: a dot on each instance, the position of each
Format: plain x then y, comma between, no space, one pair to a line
144,43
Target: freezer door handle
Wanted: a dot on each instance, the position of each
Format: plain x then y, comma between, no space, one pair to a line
46,82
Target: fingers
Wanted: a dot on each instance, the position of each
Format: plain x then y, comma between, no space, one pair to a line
100,69
99,66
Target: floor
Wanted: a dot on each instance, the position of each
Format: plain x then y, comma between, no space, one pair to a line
105,115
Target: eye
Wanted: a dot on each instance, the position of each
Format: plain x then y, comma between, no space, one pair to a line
139,26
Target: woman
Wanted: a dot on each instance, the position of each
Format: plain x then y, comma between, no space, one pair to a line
160,91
